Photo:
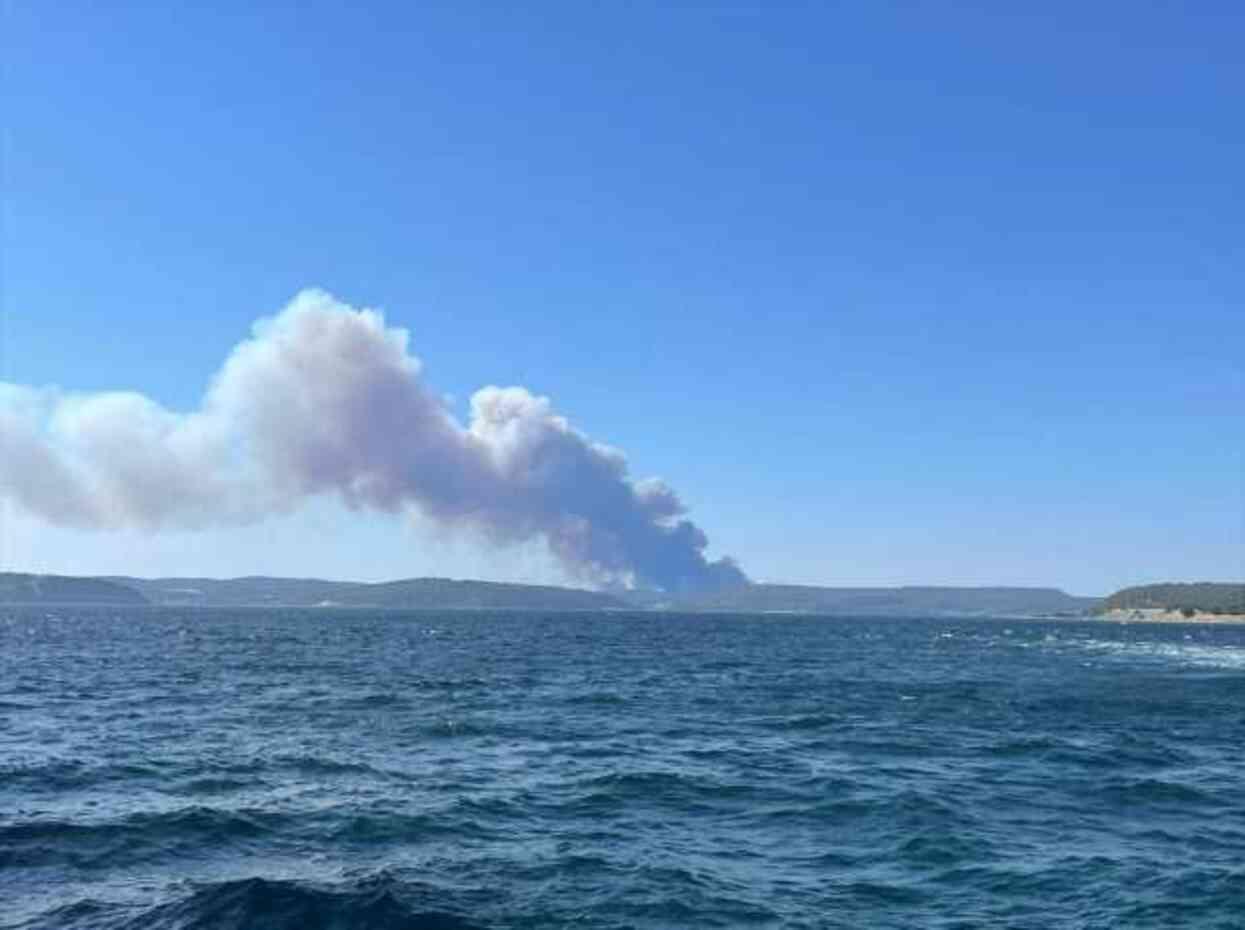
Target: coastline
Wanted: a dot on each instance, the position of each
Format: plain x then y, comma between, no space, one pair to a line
1166,615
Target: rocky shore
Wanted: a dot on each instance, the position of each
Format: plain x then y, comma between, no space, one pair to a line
1166,615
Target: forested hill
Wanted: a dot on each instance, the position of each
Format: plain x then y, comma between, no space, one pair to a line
1205,597
18,588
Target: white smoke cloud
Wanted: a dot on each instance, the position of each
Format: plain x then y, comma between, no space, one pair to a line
325,399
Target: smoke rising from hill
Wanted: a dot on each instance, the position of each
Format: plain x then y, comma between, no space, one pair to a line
326,399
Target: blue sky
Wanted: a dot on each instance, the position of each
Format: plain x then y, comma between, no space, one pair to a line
890,292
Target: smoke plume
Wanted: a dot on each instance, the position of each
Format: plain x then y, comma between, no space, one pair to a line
325,399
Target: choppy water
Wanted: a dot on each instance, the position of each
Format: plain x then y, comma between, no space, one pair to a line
311,769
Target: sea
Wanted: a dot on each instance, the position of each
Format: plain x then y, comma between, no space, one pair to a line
331,769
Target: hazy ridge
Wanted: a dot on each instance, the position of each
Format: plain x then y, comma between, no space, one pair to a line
411,593
896,601
444,593
21,588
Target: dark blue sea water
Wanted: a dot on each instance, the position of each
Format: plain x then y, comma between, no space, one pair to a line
321,769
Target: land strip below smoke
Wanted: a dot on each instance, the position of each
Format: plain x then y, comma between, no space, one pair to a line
443,593
1201,602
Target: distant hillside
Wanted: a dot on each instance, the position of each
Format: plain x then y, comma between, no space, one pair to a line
888,601
413,593
60,589
1203,597
235,592
444,593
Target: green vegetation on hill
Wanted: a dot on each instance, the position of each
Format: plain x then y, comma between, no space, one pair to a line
1203,597
18,588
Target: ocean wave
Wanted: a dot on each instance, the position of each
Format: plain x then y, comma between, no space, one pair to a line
668,788
799,722
261,903
1155,791
132,839
1200,655
582,772
60,774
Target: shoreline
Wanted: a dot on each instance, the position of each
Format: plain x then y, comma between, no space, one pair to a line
1165,615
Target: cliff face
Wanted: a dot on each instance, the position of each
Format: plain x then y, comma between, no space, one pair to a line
60,589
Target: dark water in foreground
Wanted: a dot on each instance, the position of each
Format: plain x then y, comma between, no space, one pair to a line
310,769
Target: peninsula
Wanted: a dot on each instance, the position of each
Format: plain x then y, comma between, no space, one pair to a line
1213,602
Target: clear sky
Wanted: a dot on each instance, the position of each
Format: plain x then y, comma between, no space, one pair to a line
889,292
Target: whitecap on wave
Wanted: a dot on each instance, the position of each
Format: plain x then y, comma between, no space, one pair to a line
1195,654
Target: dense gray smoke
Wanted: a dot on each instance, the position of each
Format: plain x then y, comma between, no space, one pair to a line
324,398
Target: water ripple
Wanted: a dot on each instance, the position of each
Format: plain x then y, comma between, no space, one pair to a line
323,769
